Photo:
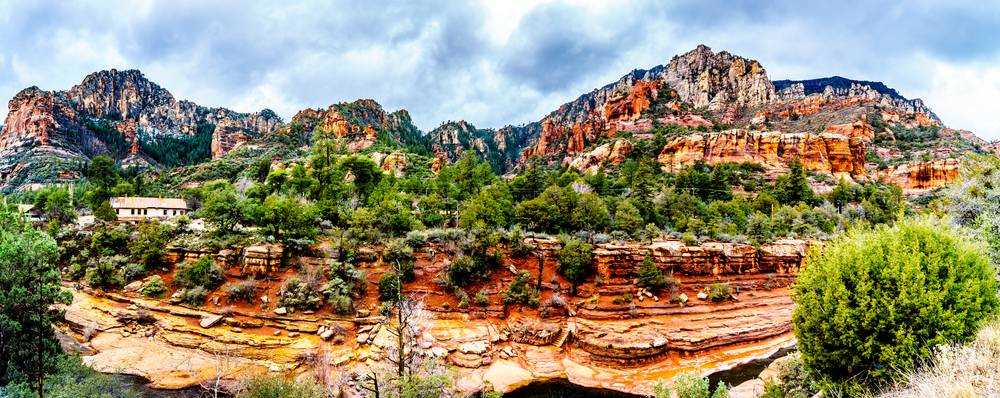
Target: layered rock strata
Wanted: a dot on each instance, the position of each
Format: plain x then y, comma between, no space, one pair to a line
832,153
610,335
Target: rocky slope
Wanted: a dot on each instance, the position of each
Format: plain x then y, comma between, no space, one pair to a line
611,335
357,125
48,135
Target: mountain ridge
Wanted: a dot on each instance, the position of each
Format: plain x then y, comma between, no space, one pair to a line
124,114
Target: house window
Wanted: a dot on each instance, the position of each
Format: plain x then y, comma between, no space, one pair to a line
132,210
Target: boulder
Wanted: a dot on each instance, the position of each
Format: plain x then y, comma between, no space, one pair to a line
474,347
210,321
281,311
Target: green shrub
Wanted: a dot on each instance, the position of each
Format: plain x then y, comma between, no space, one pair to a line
267,386
876,302
689,385
243,291
72,379
464,271
299,295
194,295
106,272
650,276
388,287
341,304
201,273
576,261
719,292
154,287
482,298
521,291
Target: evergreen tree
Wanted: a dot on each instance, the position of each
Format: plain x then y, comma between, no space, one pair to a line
29,287
650,276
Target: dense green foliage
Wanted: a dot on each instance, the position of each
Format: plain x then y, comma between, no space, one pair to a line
650,276
154,287
70,378
689,385
267,386
576,260
876,302
520,291
974,201
300,295
201,273
29,287
171,151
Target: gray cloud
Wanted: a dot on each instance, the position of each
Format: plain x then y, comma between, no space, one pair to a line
454,60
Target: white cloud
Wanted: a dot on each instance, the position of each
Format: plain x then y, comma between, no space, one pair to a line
491,62
965,95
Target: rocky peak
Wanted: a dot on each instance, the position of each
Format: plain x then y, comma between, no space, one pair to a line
717,80
839,88
359,124
119,94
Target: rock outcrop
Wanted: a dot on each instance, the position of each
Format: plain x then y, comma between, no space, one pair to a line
356,124
47,134
918,177
832,153
718,80
611,335
837,87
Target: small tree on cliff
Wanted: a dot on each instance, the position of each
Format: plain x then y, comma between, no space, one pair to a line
876,302
404,374
576,261
29,287
650,276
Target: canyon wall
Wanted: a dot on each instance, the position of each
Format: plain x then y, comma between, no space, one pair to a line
612,334
831,153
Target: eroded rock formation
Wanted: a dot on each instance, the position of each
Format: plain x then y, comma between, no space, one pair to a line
832,153
917,177
46,133
611,335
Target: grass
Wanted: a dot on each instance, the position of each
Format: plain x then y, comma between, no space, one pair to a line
958,371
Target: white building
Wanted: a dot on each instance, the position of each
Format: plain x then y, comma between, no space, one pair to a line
135,208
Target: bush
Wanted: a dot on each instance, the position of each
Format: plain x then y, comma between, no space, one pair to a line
689,385
299,295
72,379
465,270
482,298
388,287
650,276
876,302
576,261
719,292
201,273
520,290
106,272
154,287
194,295
245,291
267,386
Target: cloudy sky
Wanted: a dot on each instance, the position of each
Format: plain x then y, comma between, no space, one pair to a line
494,62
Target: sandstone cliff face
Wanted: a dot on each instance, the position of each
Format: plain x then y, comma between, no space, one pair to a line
832,153
718,80
357,124
840,88
585,338
917,177
46,133
722,82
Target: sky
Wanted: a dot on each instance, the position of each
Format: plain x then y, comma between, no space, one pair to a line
494,63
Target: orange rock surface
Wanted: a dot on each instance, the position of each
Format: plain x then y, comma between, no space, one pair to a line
595,339
916,177
828,152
